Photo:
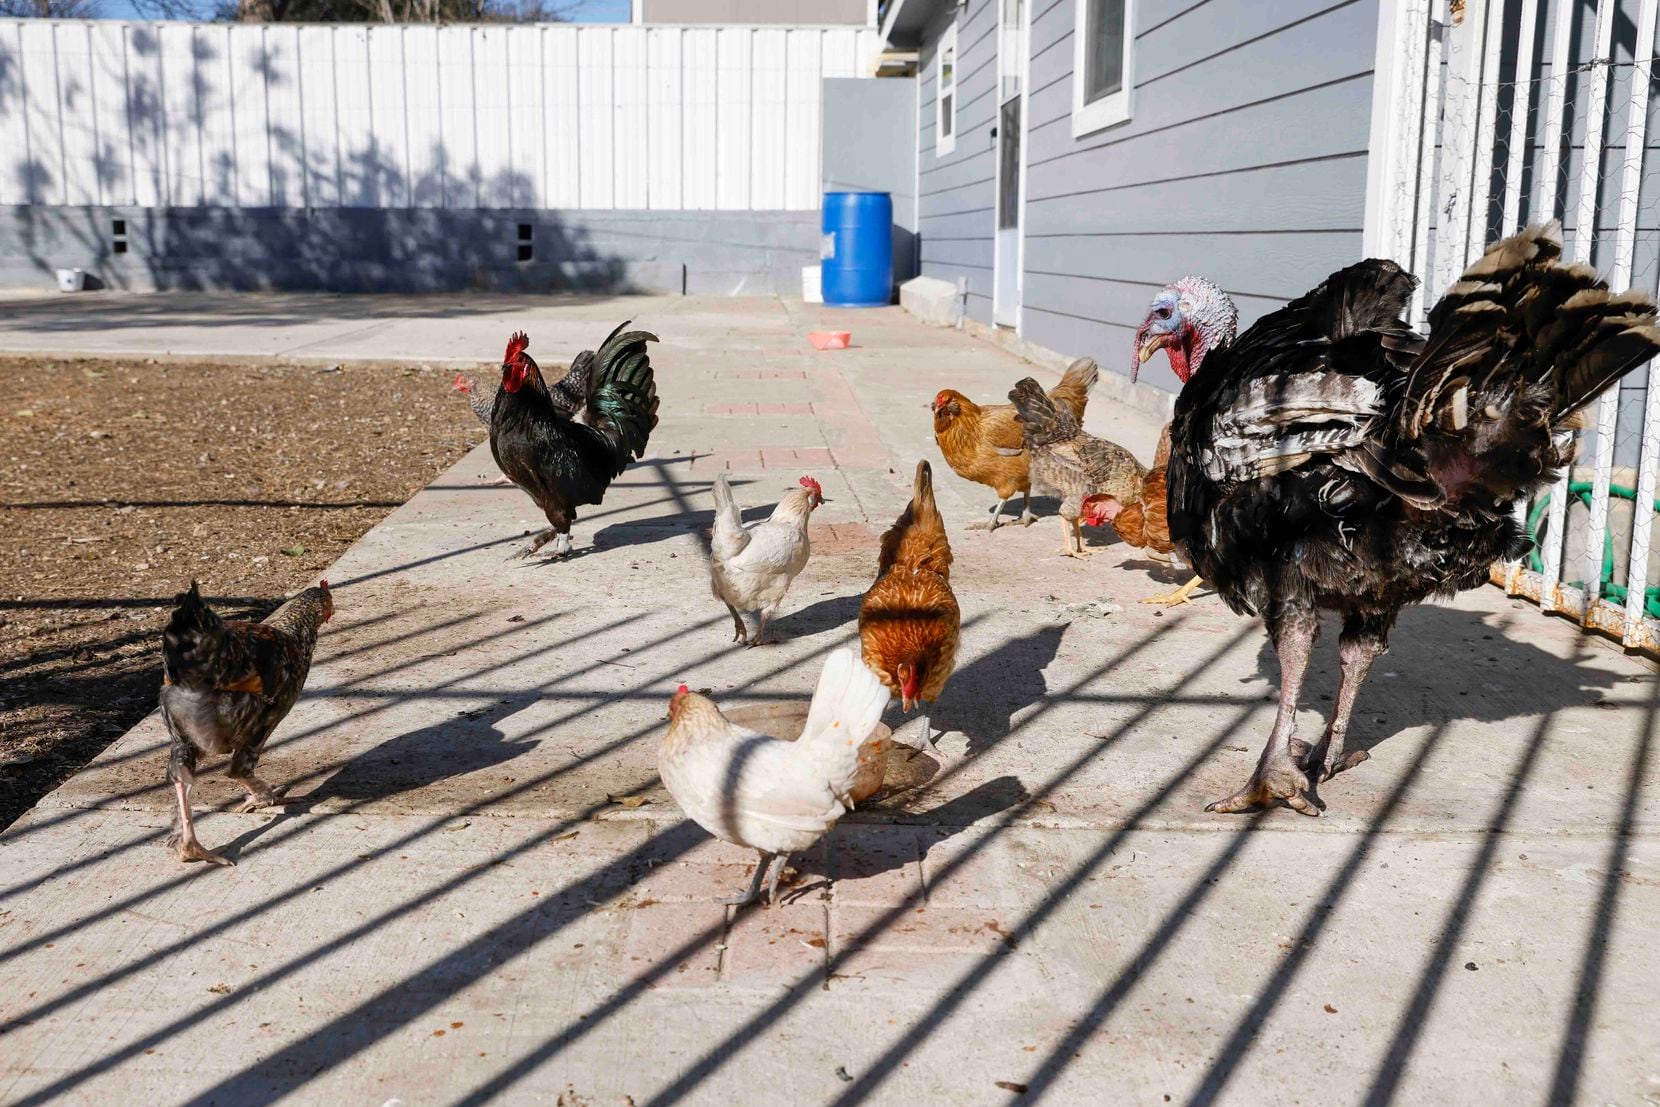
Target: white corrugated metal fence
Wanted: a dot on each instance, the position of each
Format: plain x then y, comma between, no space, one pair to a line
344,115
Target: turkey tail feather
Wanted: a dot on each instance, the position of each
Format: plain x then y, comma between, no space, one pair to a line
1520,319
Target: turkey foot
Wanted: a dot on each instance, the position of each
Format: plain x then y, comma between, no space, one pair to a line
1331,760
1278,776
1179,596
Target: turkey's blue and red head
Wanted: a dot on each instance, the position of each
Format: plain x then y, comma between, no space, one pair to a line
516,365
1188,319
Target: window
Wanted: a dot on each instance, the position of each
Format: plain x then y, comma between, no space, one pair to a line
945,93
1101,72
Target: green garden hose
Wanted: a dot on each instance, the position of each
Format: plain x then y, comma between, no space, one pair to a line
1615,592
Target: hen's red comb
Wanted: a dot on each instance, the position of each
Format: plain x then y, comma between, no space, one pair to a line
518,344
682,690
323,584
812,486
461,383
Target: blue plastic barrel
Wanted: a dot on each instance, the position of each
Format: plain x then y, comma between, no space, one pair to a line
856,252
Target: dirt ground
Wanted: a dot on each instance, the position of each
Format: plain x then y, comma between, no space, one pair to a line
124,479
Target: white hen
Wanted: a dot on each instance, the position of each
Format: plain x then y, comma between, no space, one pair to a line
751,566
772,795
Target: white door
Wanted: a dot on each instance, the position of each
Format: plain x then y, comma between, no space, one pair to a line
1011,97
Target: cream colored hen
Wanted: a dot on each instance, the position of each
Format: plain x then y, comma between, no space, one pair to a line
751,566
772,795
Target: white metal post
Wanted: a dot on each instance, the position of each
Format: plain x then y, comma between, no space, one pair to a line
1520,101
1515,156
1631,175
1466,50
1429,126
1549,179
1585,232
1396,135
1487,110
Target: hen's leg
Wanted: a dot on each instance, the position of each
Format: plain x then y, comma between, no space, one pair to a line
740,633
775,870
742,898
181,770
1279,775
241,770
1365,638
1026,516
1074,539
765,617
996,519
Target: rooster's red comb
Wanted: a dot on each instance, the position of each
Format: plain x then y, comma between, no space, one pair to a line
812,486
518,344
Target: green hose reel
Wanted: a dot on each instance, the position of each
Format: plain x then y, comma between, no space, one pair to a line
1615,592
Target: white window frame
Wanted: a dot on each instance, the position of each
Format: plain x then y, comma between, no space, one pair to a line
945,143
1113,108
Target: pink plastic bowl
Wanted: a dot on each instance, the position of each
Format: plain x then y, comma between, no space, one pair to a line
830,340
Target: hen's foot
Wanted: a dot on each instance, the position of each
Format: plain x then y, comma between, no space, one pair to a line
189,849
1080,554
1182,595
767,871
264,797
498,482
1278,777
1027,518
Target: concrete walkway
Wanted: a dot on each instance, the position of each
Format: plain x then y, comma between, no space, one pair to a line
459,913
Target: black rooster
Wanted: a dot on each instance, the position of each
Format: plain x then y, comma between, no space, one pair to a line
1332,458
225,687
563,451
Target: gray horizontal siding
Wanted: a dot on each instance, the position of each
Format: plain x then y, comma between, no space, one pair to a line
956,193
1245,161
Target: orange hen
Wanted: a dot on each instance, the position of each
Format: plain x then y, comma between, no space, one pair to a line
909,619
1144,524
982,443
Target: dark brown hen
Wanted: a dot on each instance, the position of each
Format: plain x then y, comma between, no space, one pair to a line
1332,458
225,687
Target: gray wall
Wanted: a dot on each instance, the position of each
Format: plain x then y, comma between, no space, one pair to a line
869,145
414,250
1244,161
798,12
957,192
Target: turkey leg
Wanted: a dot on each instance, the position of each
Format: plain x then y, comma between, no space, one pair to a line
1279,775
1365,638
